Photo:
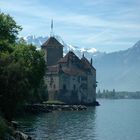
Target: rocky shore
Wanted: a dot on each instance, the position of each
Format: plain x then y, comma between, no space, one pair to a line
47,108
43,108
13,133
18,135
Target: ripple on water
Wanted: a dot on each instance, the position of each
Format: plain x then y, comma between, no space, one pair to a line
114,119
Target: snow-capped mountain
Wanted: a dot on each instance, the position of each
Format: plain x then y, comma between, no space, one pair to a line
38,41
117,70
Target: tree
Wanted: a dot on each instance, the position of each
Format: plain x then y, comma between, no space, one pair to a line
22,68
8,29
99,92
33,62
21,73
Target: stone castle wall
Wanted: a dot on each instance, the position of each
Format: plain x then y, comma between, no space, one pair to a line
53,54
71,89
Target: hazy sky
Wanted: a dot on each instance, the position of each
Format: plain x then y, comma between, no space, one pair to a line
107,25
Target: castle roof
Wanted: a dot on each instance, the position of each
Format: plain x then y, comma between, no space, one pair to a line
70,56
73,65
52,68
73,71
52,42
86,63
67,70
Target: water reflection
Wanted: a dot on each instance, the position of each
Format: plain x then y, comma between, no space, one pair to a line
66,125
27,123
113,120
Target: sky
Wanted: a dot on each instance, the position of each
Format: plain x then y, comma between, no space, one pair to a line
107,25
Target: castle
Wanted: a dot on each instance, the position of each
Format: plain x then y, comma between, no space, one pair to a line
69,79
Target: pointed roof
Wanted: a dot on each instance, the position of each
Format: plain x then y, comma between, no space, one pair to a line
86,63
51,42
73,71
77,67
69,56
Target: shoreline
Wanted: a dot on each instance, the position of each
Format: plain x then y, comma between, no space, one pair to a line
42,108
48,108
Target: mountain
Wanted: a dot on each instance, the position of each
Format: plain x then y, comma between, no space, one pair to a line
38,41
118,70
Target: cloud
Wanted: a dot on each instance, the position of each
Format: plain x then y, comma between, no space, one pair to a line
95,22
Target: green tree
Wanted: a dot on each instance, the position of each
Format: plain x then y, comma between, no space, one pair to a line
21,73
22,68
8,29
33,62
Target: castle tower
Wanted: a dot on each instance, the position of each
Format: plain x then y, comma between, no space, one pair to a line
53,49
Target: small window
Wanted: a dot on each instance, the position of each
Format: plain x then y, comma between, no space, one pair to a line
78,78
51,79
74,87
83,78
54,86
64,87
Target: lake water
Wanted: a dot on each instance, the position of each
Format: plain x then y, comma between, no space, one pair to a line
113,120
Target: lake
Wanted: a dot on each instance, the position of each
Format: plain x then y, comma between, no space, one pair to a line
113,120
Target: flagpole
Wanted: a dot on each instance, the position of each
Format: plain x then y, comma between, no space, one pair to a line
51,33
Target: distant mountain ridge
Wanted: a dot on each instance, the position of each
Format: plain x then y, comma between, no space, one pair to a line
38,41
118,70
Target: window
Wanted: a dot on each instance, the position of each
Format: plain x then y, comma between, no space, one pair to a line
64,87
74,87
84,78
78,78
54,86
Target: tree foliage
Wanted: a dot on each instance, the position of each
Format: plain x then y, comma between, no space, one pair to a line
21,73
8,28
22,68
